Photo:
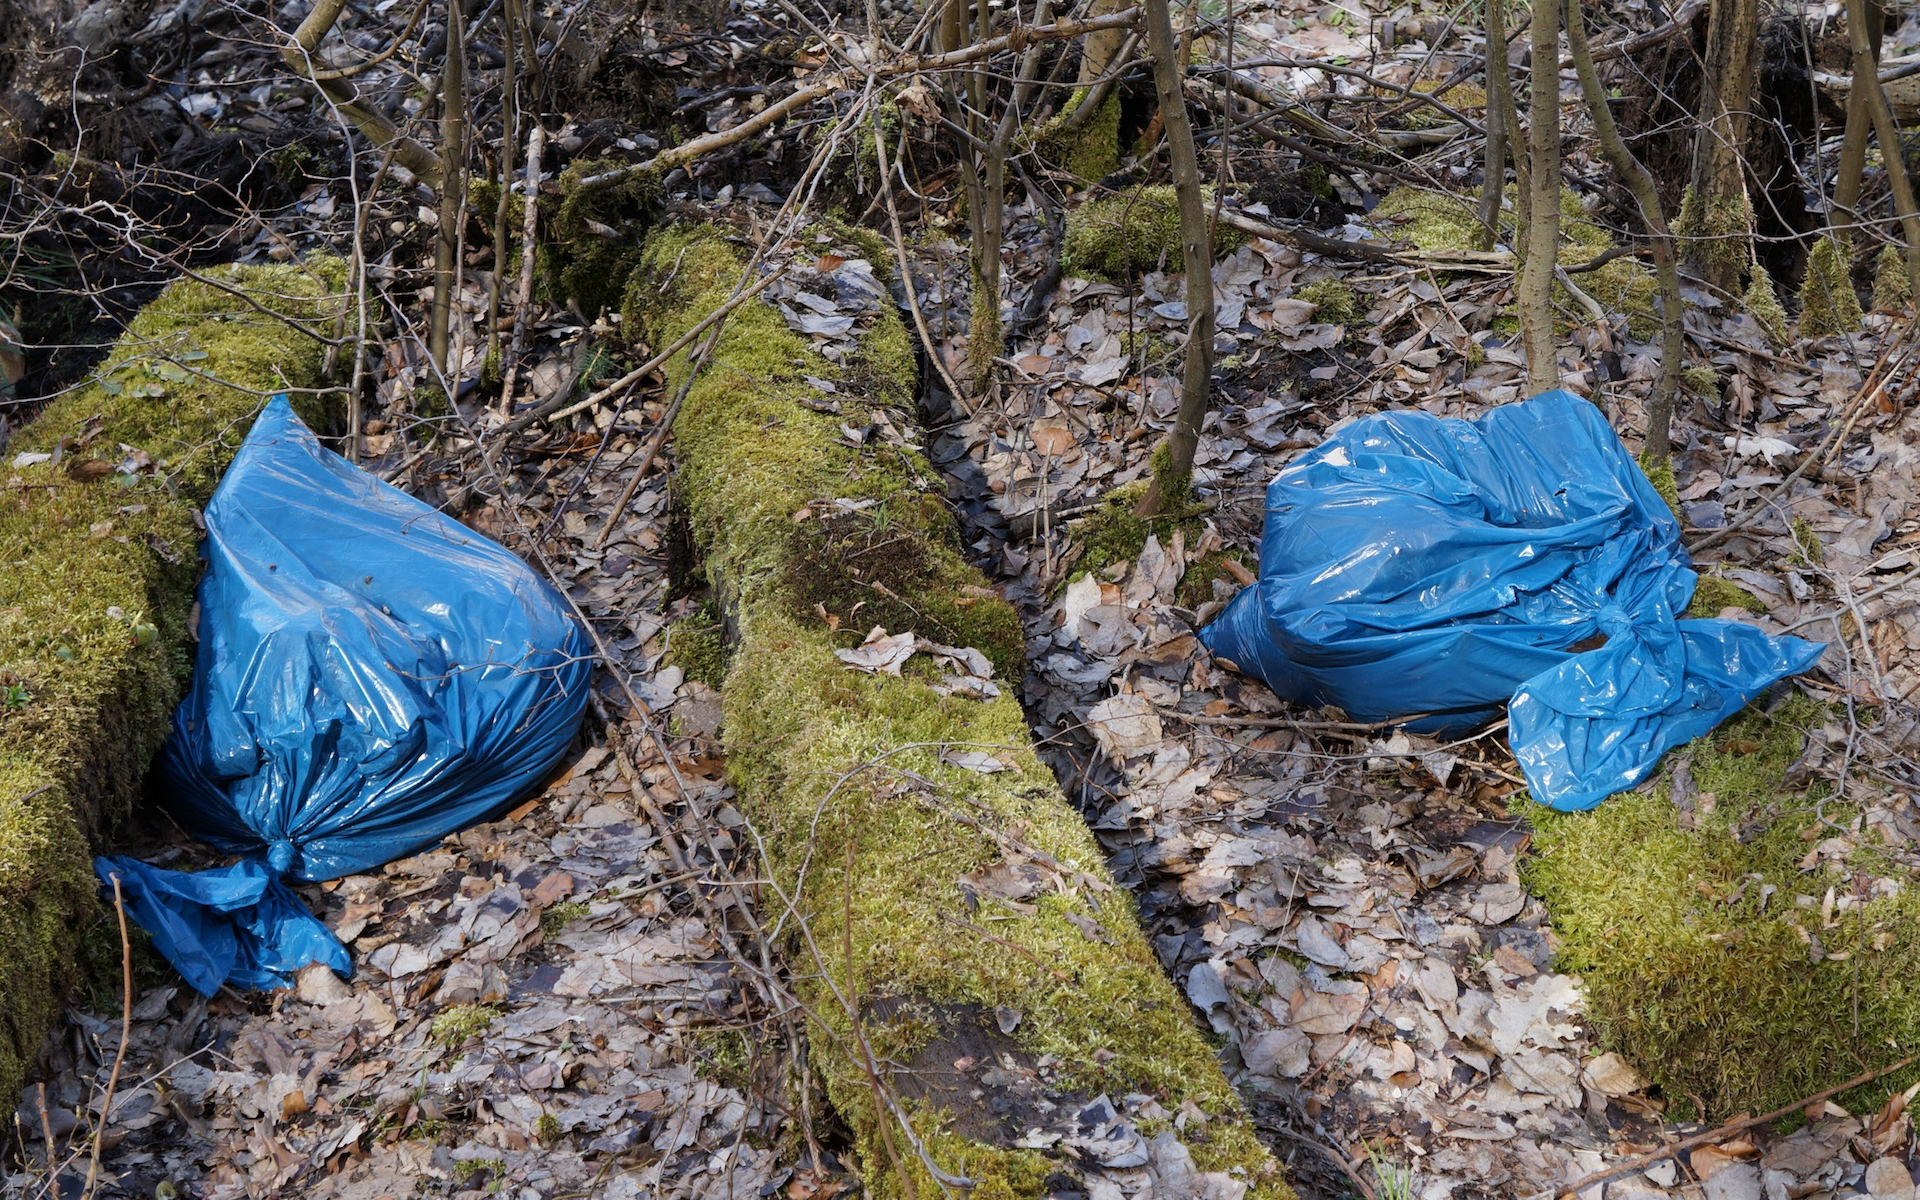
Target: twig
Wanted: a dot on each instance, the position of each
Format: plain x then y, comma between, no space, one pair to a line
529,229
126,1035
1641,1161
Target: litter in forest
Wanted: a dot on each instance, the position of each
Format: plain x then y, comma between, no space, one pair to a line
1424,570
371,676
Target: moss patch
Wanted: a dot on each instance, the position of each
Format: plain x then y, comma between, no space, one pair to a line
1726,954
1438,222
845,777
456,1026
1133,231
696,643
1828,303
1763,305
1114,533
1659,472
1892,286
1712,593
1336,302
580,263
1090,152
97,568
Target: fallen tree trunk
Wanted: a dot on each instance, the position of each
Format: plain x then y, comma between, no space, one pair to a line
97,518
966,959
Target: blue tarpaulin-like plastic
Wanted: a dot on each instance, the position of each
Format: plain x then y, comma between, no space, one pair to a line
1426,571
371,676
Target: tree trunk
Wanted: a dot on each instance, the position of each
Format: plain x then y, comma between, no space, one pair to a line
1543,217
1499,107
1852,169
1666,266
1173,466
1866,80
1722,221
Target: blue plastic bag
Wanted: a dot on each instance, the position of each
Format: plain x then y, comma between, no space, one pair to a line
371,676
1426,571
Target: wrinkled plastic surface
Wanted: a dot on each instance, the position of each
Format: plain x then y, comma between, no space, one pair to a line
1427,571
371,676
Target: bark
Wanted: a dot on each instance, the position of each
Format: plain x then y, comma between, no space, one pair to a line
1499,105
1173,468
1718,180
1543,209
453,197
1665,258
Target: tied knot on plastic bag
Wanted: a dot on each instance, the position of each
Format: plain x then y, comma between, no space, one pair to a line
1613,621
371,676
1429,571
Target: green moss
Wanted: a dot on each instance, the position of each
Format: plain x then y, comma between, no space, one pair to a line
561,915
1716,233
1763,305
1712,593
456,1026
1701,380
586,266
696,643
1114,533
1133,231
1089,153
1828,303
96,579
548,1129
1892,286
843,772
1659,472
1196,586
1806,543
1437,222
1336,302
1701,938
466,1169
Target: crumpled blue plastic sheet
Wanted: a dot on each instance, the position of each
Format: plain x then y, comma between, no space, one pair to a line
1426,571
371,676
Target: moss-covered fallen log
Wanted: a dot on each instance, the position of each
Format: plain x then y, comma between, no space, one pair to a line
98,559
960,941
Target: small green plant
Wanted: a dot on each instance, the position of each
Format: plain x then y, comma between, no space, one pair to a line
560,916
463,1022
467,1168
1394,1181
547,1129
1827,300
14,695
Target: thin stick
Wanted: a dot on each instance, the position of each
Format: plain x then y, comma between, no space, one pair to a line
1713,1135
523,303
126,1035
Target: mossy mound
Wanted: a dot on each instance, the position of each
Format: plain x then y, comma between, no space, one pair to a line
594,236
1437,222
1659,472
1335,302
1828,303
1726,953
1133,231
1089,153
878,818
1892,286
96,580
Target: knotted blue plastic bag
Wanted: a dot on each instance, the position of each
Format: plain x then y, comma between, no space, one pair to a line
371,676
1427,571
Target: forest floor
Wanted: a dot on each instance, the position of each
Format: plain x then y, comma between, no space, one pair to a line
577,999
